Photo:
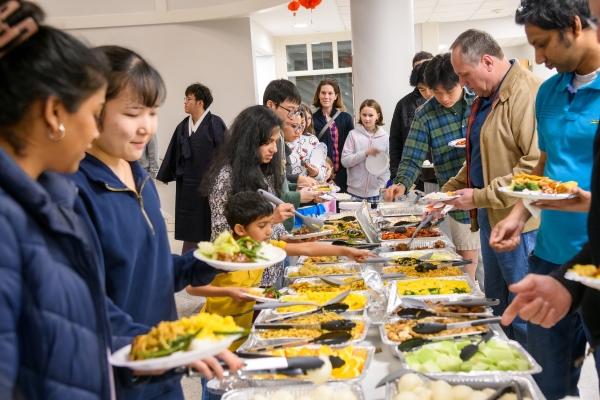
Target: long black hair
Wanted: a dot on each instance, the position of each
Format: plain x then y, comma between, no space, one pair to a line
128,70
49,63
252,128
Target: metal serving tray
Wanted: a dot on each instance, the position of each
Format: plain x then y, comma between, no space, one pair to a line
256,341
450,254
363,216
394,319
295,390
422,242
535,367
352,269
302,260
358,348
349,312
394,211
440,298
384,242
476,381
461,269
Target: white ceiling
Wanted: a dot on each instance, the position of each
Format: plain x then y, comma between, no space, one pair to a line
462,10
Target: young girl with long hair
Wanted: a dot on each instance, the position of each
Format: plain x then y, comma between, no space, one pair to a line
368,139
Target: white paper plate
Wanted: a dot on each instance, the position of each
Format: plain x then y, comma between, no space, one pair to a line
378,164
589,282
318,156
310,235
435,200
260,299
199,349
427,165
535,196
458,146
279,256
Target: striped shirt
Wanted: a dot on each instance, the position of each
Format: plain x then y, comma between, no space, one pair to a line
434,126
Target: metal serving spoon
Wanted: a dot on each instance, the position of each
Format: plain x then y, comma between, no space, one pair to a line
312,223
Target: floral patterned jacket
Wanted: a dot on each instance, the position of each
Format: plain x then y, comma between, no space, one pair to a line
217,199
301,150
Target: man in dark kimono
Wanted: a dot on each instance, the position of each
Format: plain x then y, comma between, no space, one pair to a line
187,159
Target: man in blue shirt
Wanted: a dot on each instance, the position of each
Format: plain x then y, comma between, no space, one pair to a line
567,112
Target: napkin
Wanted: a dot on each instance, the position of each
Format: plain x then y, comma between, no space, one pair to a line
535,212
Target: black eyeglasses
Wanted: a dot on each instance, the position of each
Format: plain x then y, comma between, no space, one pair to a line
291,113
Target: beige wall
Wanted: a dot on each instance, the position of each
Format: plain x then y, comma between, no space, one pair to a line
217,53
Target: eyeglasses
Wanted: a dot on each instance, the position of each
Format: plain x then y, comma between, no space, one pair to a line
291,113
298,128
186,99
593,23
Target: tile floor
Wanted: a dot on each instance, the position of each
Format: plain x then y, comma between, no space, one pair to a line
192,389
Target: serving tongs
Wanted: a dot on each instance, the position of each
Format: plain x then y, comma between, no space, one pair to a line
330,338
337,308
264,364
419,313
414,343
411,302
337,325
312,223
436,327
421,226
337,283
423,267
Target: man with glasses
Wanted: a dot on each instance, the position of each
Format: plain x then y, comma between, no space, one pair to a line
187,159
283,97
567,112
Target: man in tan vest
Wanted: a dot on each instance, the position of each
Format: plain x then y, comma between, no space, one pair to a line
501,141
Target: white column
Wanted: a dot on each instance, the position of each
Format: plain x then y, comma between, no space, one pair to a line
430,34
383,46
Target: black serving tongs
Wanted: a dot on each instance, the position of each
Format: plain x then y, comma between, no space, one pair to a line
337,325
436,327
427,266
330,338
336,308
419,313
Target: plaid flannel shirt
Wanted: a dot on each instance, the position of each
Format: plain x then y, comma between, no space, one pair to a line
435,126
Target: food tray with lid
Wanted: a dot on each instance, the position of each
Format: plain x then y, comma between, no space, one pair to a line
394,319
350,269
477,381
361,311
362,348
295,390
256,341
363,216
535,368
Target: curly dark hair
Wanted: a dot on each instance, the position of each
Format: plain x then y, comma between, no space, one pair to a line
553,14
200,92
252,128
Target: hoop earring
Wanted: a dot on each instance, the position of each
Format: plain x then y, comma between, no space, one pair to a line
62,130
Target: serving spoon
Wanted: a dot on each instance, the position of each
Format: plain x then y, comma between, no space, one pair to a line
312,223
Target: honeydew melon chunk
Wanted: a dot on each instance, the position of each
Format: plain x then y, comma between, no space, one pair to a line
463,344
431,366
480,358
480,367
466,366
507,365
426,355
417,366
449,348
523,365
500,355
412,358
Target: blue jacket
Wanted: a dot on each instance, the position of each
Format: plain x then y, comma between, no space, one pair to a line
54,333
141,274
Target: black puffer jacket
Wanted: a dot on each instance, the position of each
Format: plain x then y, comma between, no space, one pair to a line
403,116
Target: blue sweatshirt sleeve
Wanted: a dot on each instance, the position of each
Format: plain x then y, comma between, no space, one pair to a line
188,270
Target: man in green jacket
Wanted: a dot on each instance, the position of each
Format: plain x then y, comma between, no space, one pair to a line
283,97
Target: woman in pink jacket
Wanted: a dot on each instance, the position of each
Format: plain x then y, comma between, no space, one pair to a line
368,139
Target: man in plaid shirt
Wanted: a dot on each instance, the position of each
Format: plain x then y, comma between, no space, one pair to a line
436,123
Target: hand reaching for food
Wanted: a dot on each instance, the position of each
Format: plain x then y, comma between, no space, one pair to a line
394,191
282,212
357,255
238,294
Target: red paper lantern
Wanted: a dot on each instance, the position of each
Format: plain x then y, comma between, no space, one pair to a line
294,6
310,4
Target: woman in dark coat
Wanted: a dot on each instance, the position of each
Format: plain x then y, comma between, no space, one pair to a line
54,332
328,100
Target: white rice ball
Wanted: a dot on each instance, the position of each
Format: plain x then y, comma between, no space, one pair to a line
409,382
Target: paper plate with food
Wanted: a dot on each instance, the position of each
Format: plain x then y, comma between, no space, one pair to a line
172,344
305,233
588,275
534,187
262,295
441,196
244,254
322,188
458,143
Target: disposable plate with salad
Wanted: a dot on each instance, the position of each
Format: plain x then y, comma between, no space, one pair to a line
244,254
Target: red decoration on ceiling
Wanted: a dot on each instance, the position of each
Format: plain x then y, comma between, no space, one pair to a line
310,4
294,6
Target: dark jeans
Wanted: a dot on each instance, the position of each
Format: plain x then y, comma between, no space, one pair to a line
504,269
557,348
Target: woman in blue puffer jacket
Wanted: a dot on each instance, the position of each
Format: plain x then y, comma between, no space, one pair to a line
54,331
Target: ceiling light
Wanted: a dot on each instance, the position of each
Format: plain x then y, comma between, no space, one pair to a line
300,25
497,10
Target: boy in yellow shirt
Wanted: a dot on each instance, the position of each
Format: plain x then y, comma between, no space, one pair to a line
249,214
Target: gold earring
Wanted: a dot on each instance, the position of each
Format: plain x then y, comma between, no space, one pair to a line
62,130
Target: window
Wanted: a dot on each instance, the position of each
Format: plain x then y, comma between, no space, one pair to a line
305,60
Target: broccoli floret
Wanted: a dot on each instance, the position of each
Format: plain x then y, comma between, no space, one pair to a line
519,188
532,186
